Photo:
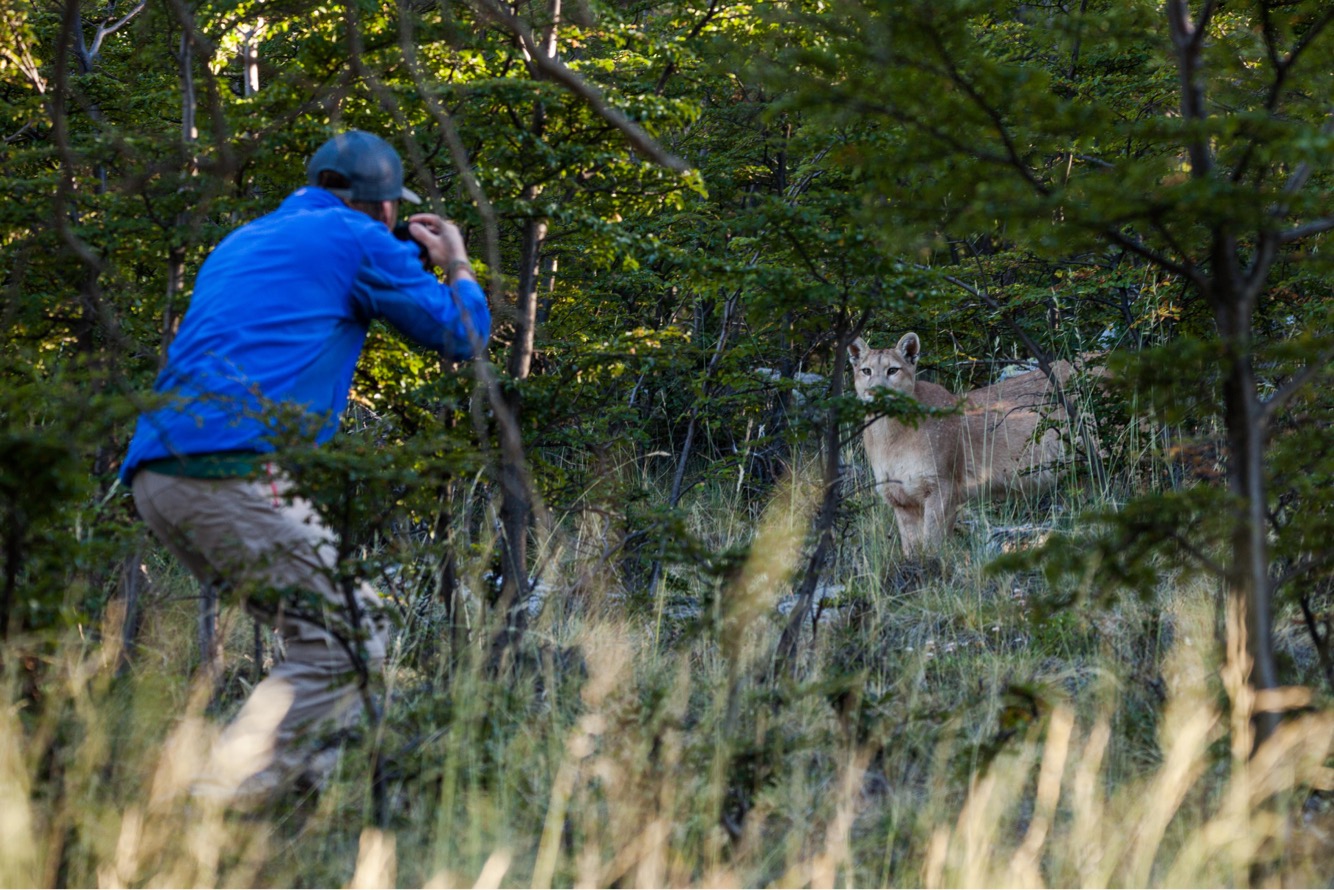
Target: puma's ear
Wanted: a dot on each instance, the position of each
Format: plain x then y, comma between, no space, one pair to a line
857,349
909,347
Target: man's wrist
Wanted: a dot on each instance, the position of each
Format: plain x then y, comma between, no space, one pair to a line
455,265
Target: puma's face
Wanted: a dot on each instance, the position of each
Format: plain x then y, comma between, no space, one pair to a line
894,368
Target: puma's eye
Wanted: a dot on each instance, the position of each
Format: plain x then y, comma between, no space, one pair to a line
866,371
891,372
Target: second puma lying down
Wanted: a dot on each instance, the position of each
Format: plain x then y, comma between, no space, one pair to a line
926,472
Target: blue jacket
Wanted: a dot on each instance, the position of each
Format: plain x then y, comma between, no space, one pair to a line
277,322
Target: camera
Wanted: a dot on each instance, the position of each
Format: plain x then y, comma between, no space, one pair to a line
402,234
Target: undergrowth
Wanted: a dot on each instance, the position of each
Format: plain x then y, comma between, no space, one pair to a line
942,729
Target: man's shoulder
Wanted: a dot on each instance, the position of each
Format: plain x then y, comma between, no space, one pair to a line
310,197
314,200
312,214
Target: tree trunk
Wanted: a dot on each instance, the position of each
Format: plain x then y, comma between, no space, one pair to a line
521,353
13,537
250,61
550,266
448,590
516,509
785,659
210,644
1248,581
133,581
176,250
678,479
175,284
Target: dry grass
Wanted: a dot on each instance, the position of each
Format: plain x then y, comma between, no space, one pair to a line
935,737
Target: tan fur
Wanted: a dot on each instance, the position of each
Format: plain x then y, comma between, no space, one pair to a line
927,472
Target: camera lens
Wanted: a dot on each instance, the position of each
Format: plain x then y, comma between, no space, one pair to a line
402,234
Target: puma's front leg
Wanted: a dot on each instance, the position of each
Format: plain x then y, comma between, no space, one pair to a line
911,522
939,513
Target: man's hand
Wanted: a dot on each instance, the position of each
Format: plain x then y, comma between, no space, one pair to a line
444,244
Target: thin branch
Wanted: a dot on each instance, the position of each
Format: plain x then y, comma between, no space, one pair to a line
1271,48
69,33
1137,247
1272,405
1306,230
559,72
21,58
1202,26
1209,565
1321,643
1254,277
104,29
457,150
1188,37
994,114
1294,571
944,137
1079,39
670,68
798,188
805,256
1282,68
20,133
1097,162
1297,181
1161,228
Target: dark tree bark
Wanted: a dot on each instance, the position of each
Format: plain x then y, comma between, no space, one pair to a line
133,582
516,509
190,165
785,658
1248,577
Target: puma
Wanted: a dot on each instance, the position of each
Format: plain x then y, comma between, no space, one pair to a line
926,472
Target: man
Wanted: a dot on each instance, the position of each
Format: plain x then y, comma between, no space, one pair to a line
266,352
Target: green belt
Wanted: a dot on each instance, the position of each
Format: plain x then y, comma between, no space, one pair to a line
212,465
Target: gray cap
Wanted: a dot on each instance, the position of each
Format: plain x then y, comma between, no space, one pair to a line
367,162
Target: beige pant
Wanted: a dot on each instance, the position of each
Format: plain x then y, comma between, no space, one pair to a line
253,538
